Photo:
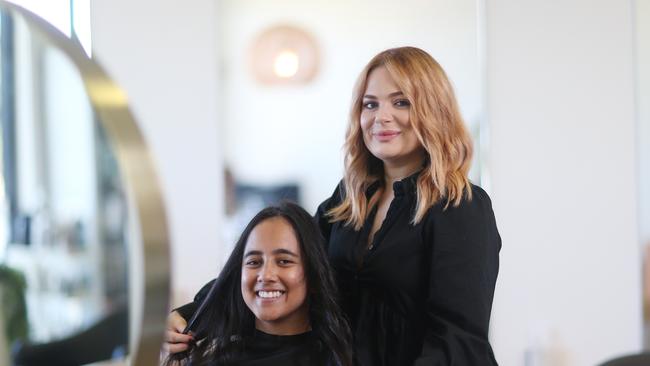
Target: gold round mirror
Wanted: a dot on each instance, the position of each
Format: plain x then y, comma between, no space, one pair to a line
83,234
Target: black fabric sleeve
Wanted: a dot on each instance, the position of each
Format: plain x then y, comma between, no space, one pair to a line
187,310
464,251
321,217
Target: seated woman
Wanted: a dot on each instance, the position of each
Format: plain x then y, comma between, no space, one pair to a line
275,301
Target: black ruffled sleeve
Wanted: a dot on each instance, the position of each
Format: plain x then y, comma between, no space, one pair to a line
464,248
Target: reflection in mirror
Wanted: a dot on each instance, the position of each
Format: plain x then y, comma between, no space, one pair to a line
63,253
284,139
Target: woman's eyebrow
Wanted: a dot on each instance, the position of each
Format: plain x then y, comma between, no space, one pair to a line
391,95
285,251
276,251
253,252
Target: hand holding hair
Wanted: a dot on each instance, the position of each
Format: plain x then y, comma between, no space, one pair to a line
175,340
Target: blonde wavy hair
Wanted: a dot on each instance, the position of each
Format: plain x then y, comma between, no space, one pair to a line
438,125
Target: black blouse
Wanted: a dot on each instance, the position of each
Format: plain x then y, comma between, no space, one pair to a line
419,294
271,350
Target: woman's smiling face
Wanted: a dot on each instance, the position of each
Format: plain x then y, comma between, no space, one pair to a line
273,282
385,120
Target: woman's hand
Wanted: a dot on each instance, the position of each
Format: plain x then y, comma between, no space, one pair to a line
175,340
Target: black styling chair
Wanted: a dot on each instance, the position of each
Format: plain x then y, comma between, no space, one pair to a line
642,359
102,341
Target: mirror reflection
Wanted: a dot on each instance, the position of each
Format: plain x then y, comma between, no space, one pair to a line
63,257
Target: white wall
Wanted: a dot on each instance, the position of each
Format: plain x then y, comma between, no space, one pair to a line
295,133
561,112
162,52
642,23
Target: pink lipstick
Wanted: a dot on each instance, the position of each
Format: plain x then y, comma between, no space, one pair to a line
385,136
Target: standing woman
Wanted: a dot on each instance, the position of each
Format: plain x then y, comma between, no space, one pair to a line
413,244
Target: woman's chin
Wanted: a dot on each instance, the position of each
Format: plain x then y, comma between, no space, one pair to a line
268,316
385,154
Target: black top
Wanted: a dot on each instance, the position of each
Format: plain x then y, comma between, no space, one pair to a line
271,350
420,294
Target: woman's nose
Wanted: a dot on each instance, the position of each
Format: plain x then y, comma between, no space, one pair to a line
268,272
384,113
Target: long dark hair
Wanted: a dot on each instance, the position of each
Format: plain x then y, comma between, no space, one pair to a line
227,320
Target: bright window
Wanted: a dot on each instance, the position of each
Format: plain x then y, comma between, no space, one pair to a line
69,16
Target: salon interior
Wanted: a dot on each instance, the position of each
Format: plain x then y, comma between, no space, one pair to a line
139,137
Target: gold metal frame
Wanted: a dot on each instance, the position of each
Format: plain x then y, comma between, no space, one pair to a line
109,103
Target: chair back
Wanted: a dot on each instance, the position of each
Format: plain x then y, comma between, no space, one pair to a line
642,359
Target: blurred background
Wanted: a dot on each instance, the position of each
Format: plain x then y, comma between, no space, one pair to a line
555,93
63,252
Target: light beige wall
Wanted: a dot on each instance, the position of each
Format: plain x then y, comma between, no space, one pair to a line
561,111
163,54
642,23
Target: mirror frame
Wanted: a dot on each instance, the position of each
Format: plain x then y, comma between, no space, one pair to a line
148,264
